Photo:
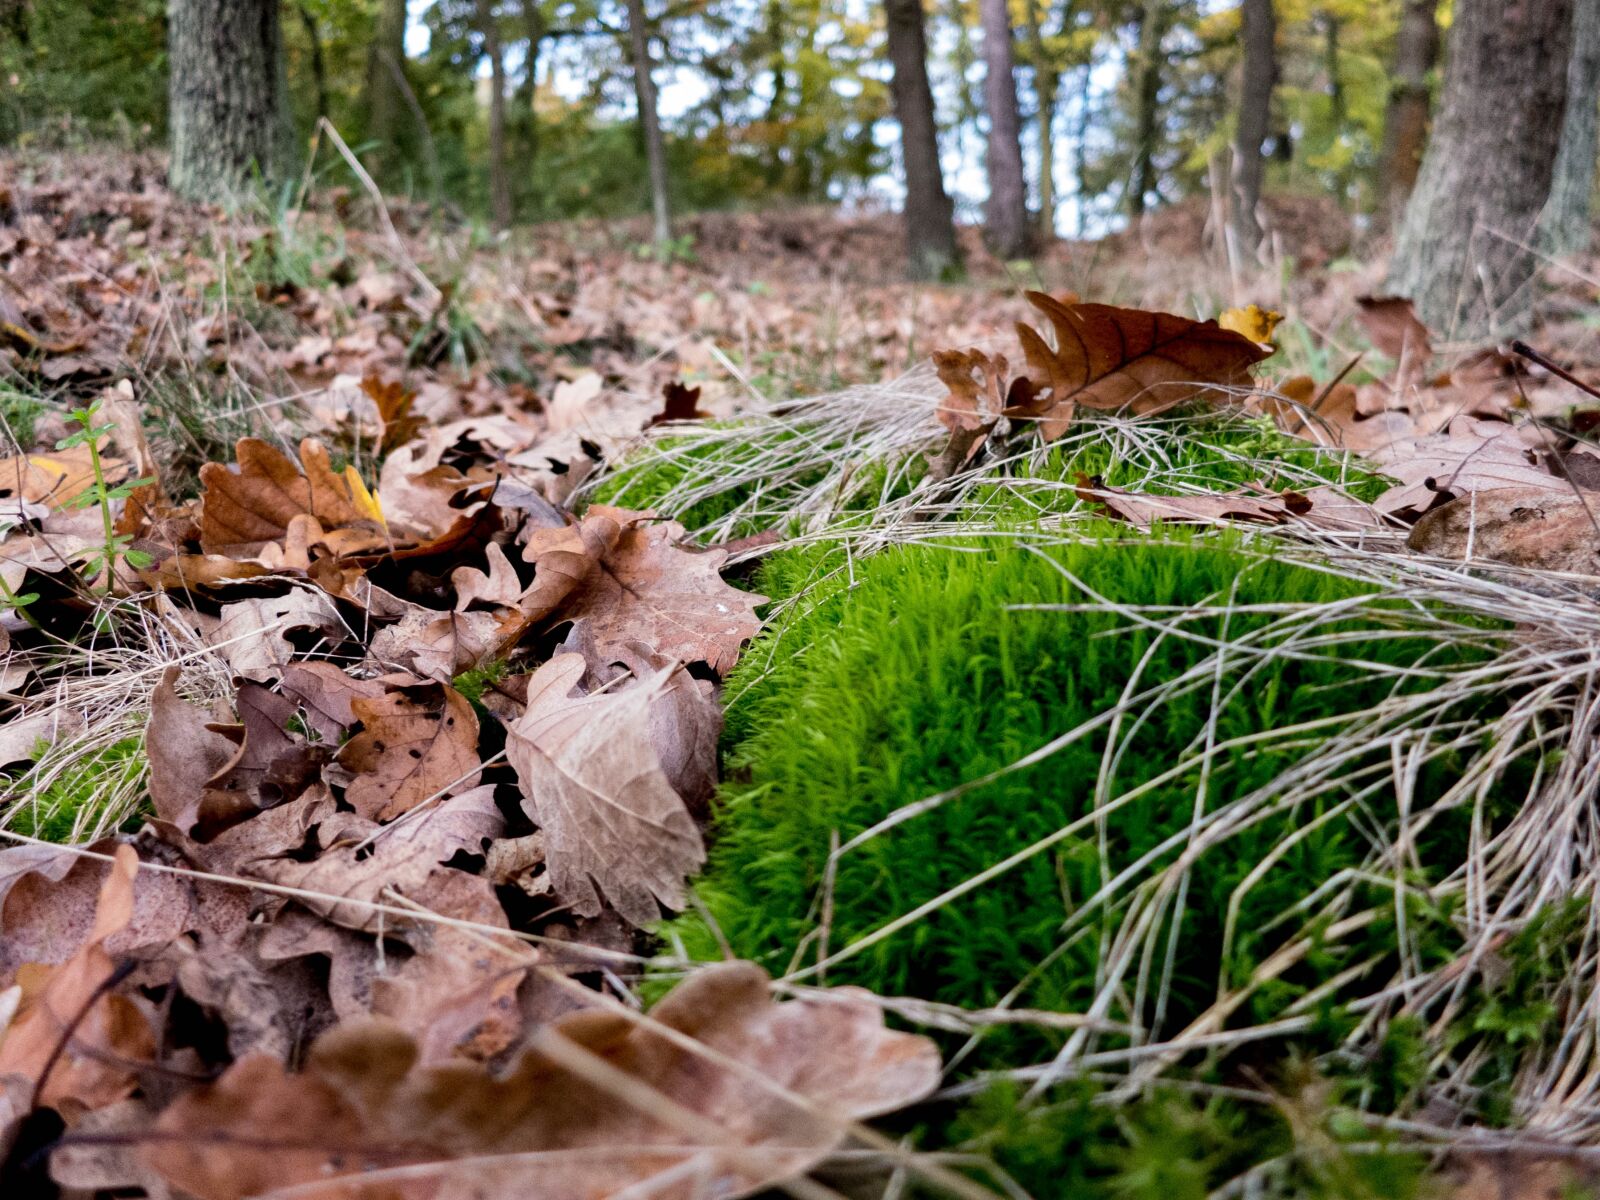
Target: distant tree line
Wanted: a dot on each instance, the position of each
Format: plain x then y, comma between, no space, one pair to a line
1476,143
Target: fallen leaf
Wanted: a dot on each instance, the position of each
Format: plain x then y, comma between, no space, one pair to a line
1392,325
416,743
252,636
185,754
394,403
364,1103
270,765
1252,321
253,503
325,692
622,577
1144,509
1537,528
680,403
57,477
109,1036
595,785
1471,455
570,402
1112,358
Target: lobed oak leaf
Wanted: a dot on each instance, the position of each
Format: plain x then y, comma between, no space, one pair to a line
251,636
1470,455
767,1090
1112,358
253,503
594,782
1145,509
679,403
56,478
621,576
416,743
185,754
1392,325
324,693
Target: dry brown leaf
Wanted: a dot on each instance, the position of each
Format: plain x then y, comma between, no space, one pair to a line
621,576
679,403
416,744
251,504
408,859
252,636
363,1103
324,693
499,588
1144,509
593,781
111,1035
270,765
185,754
1540,528
1471,455
1111,358
441,645
1392,325
394,403
55,478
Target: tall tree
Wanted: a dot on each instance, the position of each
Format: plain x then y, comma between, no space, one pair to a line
228,110
1405,119
1147,68
1046,87
1567,222
929,216
644,87
499,181
385,103
1259,34
1462,254
1006,215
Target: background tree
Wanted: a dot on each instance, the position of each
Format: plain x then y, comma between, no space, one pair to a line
385,100
228,111
1006,214
499,182
644,86
1462,251
1567,220
929,216
1259,32
1405,122
1146,70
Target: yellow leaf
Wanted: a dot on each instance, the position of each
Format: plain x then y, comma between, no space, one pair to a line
1252,321
365,502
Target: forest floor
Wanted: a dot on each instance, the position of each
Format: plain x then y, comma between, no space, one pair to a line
406,708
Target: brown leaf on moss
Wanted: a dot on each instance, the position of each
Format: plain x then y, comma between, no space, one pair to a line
416,743
593,780
1539,528
363,1103
622,576
1111,358
1144,509
679,403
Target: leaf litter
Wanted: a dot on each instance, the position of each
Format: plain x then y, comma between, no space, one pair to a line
392,902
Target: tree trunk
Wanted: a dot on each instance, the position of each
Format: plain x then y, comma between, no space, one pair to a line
1405,121
228,116
1567,228
1461,254
655,149
1259,32
1149,61
533,17
499,181
930,219
319,68
384,101
1046,87
1007,212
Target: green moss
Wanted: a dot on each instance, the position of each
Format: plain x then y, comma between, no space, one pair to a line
74,799
918,671
473,683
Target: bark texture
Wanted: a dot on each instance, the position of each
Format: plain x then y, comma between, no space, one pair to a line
1006,215
1568,228
1149,65
1461,254
644,87
1046,87
499,181
1259,34
1405,120
228,112
385,104
930,219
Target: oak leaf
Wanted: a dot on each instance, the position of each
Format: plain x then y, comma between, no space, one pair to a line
1392,326
56,478
1145,509
594,782
621,576
185,754
417,743
1252,321
766,1095
1112,358
1538,528
253,503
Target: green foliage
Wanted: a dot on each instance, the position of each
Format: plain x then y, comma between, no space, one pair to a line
73,798
105,497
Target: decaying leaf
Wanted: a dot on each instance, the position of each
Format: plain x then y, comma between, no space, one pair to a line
1392,324
106,1026
622,576
1539,528
1111,358
679,403
1471,455
252,635
416,744
595,784
185,754
56,478
1145,509
253,503
324,693
363,1103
